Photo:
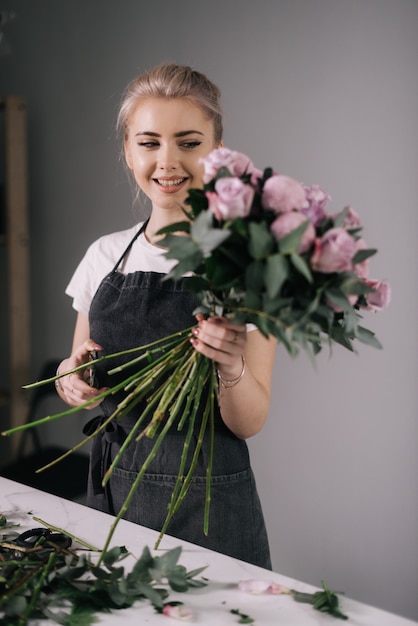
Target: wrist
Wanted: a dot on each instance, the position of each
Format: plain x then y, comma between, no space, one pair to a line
227,382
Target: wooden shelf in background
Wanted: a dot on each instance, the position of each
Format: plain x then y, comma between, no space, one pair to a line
16,240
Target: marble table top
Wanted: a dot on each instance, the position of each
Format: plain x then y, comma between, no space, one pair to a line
211,605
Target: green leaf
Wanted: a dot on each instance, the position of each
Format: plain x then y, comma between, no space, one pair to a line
352,284
276,272
163,565
186,265
362,255
338,298
223,172
81,616
325,601
16,605
301,266
255,276
180,247
178,581
243,618
204,236
367,337
339,220
112,556
261,241
351,323
290,242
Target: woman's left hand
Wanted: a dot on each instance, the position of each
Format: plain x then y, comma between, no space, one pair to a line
223,342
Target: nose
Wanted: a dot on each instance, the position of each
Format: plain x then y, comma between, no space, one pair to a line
168,158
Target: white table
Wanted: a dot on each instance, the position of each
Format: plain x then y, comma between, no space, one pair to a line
211,605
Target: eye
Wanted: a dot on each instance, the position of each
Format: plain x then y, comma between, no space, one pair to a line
189,145
148,144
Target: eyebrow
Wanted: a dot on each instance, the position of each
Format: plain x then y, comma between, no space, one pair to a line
182,133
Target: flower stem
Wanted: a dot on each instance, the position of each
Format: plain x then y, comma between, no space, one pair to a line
174,505
37,590
65,532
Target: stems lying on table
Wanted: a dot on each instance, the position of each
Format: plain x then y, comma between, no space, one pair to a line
66,587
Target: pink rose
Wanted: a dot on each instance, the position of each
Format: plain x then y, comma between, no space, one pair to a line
236,162
257,587
316,199
282,193
287,222
178,611
232,199
212,197
255,175
333,251
351,220
381,295
362,268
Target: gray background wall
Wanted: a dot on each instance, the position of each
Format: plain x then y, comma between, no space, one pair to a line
325,91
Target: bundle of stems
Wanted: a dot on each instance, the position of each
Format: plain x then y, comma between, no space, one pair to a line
175,381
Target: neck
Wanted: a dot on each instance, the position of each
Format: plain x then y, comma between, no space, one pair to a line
159,220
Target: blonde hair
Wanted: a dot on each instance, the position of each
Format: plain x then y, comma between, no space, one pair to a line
169,80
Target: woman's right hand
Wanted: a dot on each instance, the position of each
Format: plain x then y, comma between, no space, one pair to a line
73,388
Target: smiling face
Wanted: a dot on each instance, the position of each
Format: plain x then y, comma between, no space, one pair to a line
165,140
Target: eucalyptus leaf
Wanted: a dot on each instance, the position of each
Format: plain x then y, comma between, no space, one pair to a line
352,284
290,242
204,236
301,266
16,605
367,337
339,219
86,587
276,272
261,242
181,247
362,255
255,276
339,299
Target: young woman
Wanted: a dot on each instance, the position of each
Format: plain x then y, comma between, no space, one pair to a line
170,118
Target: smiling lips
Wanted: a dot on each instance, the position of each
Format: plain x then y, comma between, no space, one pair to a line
170,185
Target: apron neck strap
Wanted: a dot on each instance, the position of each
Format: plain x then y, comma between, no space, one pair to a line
130,244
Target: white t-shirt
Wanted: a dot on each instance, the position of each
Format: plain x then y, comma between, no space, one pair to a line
101,257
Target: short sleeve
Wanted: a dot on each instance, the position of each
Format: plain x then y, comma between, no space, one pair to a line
83,284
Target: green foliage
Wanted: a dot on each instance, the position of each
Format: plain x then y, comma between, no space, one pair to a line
71,589
325,601
241,269
243,618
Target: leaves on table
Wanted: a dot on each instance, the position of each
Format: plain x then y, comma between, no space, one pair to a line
70,588
325,601
243,618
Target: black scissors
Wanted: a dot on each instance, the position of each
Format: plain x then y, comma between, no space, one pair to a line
37,543
40,541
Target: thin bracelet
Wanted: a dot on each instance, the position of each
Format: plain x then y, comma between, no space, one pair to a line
58,385
227,384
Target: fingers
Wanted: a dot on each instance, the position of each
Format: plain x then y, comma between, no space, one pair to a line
219,340
81,355
75,389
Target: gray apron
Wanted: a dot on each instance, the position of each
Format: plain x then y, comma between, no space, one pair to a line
132,310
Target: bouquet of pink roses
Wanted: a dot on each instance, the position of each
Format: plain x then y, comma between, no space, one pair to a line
263,249
260,248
